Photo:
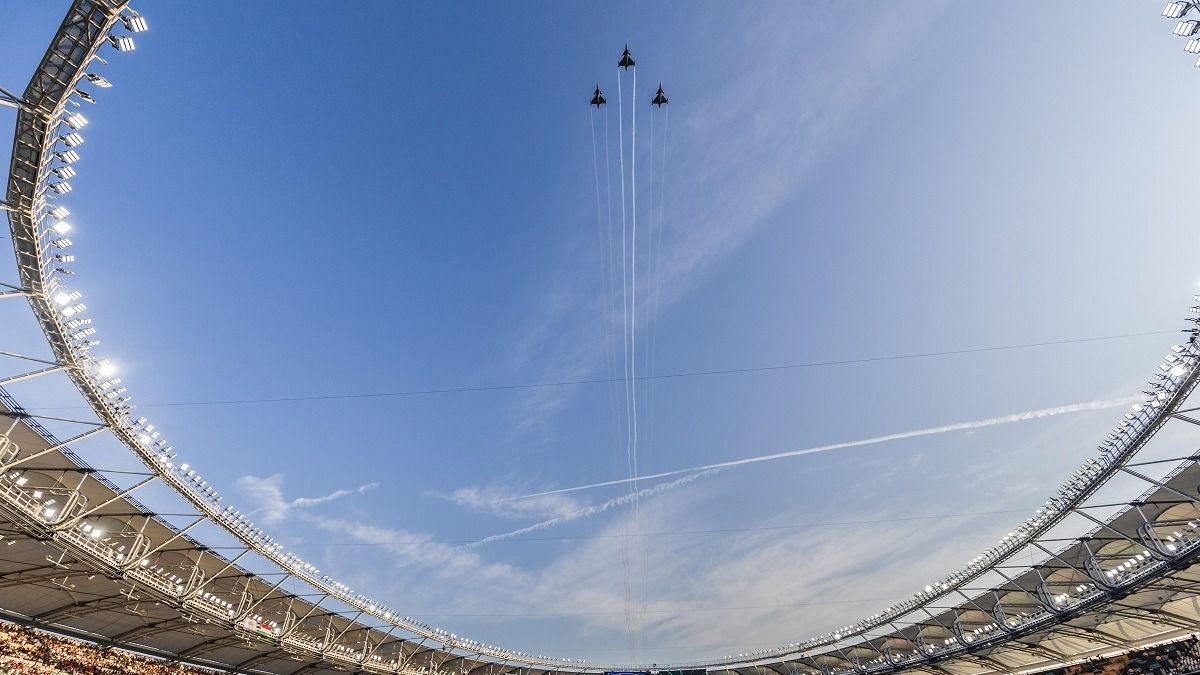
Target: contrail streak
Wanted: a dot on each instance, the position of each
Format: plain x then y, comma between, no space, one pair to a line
930,431
598,508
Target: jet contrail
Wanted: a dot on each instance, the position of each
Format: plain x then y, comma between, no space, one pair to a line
598,508
930,431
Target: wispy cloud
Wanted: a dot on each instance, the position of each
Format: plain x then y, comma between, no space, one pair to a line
409,548
693,592
301,502
498,500
597,509
272,507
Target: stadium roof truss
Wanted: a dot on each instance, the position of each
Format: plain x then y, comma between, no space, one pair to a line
80,555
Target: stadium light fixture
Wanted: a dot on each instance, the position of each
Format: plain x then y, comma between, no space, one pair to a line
1174,10
60,212
123,43
71,140
106,369
135,23
67,156
76,120
1187,28
61,187
98,80
64,172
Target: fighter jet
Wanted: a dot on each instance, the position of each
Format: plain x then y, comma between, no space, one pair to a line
598,98
660,98
626,61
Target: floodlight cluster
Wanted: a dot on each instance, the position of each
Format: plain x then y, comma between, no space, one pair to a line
1185,27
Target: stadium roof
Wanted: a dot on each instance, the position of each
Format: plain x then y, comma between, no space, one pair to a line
82,556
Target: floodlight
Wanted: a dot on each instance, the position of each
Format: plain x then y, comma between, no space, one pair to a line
67,156
1174,10
65,258
71,140
1192,47
62,187
76,120
106,369
61,243
60,212
1186,28
98,80
123,43
64,172
65,298
83,95
135,23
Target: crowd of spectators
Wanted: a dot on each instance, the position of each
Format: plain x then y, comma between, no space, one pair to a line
31,652
25,651
1175,658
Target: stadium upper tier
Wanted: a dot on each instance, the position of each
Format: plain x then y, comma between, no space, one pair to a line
83,556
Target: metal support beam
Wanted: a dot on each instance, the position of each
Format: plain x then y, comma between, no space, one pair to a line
115,498
178,535
29,376
52,448
250,610
1185,418
1156,483
11,100
200,589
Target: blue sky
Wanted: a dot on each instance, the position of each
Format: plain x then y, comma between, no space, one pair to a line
282,201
